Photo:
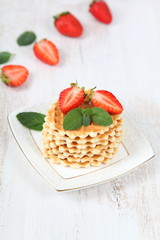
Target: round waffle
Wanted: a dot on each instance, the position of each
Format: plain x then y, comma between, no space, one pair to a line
87,146
86,164
55,118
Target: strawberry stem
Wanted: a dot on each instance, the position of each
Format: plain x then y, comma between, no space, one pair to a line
58,15
93,88
74,84
90,95
85,95
4,79
44,39
92,3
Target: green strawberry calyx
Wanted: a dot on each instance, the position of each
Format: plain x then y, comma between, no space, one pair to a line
5,79
56,17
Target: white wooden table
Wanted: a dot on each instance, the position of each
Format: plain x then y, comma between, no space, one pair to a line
124,58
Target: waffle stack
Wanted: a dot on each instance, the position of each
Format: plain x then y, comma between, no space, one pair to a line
85,147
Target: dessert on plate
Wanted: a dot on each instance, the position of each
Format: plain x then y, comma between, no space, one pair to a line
82,128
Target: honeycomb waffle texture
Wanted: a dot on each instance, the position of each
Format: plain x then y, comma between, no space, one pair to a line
84,147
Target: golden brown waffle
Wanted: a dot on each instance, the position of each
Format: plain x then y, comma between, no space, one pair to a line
81,149
54,120
81,158
50,134
87,146
86,164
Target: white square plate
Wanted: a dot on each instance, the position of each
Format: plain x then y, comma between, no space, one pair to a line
133,152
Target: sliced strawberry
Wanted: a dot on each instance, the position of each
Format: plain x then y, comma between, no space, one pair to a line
68,25
46,51
71,98
107,101
14,75
100,10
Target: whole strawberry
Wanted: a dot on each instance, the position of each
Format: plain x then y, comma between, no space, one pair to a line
68,25
101,11
46,51
14,75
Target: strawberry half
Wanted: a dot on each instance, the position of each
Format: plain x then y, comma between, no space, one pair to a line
46,51
101,11
107,101
71,98
68,25
14,75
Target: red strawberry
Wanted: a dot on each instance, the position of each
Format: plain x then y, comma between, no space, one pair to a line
14,75
107,101
46,51
68,25
71,98
100,10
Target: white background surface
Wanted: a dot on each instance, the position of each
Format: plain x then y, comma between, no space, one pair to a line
124,58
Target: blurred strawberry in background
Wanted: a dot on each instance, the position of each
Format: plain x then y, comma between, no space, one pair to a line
68,25
101,11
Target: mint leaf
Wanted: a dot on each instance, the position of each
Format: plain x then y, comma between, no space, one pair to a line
4,57
31,120
73,120
26,38
101,117
87,111
78,117
86,119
